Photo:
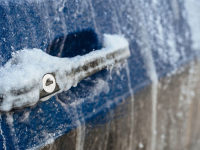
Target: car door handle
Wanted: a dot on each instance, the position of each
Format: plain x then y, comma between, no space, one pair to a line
32,75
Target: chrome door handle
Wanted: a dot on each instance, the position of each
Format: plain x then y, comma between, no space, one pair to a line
26,82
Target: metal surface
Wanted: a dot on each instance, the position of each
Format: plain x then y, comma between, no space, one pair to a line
89,68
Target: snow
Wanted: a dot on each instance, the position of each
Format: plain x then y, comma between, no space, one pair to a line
141,145
21,76
193,18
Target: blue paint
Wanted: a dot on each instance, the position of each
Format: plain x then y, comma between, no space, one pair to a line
26,24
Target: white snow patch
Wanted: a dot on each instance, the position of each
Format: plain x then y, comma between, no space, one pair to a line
141,145
193,17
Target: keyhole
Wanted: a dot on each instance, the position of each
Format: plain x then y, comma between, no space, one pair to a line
49,83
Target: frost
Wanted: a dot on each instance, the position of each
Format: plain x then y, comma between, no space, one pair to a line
1,60
141,145
10,123
162,136
3,137
193,17
21,76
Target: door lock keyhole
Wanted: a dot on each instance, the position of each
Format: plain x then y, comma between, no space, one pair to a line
49,83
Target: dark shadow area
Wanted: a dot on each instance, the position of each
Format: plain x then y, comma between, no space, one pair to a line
73,44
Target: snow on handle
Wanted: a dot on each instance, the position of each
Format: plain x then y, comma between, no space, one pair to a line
21,77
